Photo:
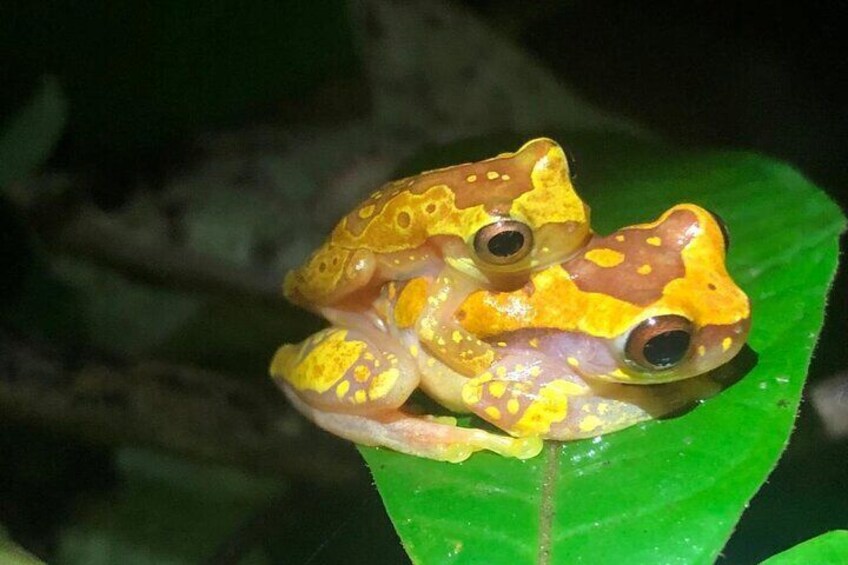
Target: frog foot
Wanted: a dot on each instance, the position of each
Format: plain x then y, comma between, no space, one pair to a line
422,436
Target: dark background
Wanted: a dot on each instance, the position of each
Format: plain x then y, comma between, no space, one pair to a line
144,78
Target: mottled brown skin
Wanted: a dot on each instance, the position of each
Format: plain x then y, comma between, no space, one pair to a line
624,281
496,196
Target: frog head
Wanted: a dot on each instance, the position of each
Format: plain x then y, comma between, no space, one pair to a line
647,304
518,212
494,221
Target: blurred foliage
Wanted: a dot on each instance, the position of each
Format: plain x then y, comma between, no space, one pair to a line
140,75
28,140
32,298
165,511
11,554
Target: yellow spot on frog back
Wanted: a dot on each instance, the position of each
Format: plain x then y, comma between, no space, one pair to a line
471,178
702,350
342,389
573,361
497,389
456,336
644,269
492,175
471,394
366,211
619,237
361,373
323,366
512,406
383,383
590,423
726,343
360,396
492,412
654,240
550,407
604,257
411,302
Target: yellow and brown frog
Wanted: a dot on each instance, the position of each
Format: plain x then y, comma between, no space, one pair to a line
646,305
483,225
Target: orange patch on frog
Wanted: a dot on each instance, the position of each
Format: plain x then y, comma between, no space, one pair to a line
411,302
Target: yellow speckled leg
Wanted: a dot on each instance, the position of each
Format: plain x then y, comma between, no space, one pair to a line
343,370
535,395
340,380
526,395
443,336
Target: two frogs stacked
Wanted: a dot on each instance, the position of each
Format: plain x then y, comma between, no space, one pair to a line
483,286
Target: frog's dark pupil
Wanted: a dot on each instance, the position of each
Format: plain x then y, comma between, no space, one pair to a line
505,243
666,349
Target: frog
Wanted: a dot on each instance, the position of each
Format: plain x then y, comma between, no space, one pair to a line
626,331
485,224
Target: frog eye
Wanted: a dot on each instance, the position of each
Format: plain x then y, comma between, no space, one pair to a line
725,233
503,242
660,342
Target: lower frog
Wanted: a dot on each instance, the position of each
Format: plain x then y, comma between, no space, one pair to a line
649,305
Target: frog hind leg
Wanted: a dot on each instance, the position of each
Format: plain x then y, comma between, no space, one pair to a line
610,406
532,394
319,376
344,370
443,336
437,438
525,394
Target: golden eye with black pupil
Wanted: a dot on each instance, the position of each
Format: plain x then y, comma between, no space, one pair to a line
725,232
660,342
503,242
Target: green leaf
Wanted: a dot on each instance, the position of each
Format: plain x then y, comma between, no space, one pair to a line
26,142
831,547
663,491
12,554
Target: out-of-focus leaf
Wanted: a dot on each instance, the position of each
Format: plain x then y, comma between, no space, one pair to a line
826,549
164,511
26,142
664,491
12,554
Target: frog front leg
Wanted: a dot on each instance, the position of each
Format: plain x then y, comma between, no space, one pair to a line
440,332
354,383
